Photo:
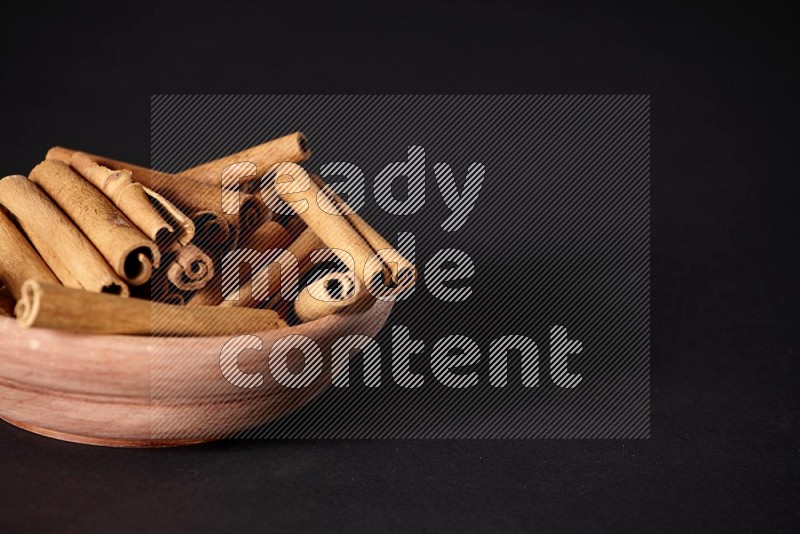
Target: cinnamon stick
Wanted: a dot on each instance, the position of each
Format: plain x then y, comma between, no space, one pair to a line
128,196
62,246
294,186
191,269
196,197
267,236
180,222
330,294
291,148
202,202
18,259
140,174
212,229
270,236
266,283
129,252
45,305
404,273
200,194
216,229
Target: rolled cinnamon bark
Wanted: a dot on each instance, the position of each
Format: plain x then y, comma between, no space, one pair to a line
267,282
319,212
223,231
18,259
57,307
202,198
404,273
129,252
270,236
191,269
141,175
202,202
212,230
330,294
267,236
291,148
182,223
196,197
128,196
295,226
62,246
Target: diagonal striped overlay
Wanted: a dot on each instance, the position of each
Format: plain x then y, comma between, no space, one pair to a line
559,242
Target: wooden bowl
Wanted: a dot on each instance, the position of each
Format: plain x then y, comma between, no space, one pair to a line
129,391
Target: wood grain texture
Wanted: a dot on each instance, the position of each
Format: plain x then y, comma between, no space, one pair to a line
151,392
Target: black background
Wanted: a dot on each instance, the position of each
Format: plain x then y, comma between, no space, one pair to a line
725,427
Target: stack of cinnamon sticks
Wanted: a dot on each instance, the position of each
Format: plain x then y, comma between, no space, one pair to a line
86,241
